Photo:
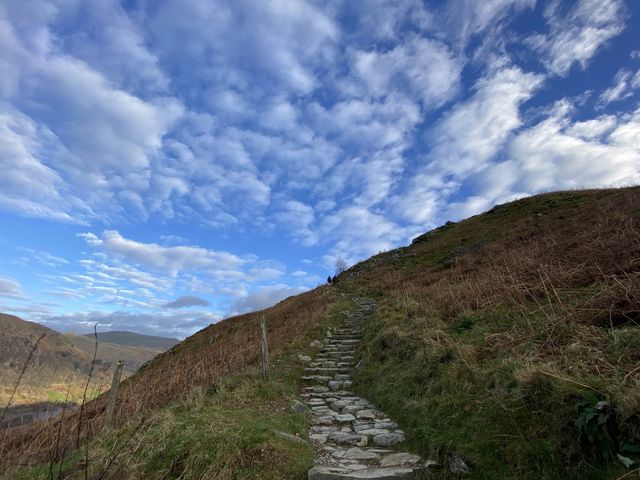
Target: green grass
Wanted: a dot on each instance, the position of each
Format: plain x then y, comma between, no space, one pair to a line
503,416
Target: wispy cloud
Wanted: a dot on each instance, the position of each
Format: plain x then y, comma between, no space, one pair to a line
10,288
576,34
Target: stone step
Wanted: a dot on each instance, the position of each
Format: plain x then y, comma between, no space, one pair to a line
335,355
355,440
344,473
326,370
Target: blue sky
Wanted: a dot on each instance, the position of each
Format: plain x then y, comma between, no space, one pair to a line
166,164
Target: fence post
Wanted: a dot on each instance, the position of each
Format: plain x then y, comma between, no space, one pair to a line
113,394
264,348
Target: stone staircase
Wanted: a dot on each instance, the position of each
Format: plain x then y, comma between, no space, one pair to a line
354,439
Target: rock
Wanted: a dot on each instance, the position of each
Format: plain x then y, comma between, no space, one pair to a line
388,439
323,420
333,473
304,358
373,431
345,438
387,424
319,437
362,426
350,409
299,407
347,417
370,414
315,344
400,460
458,466
356,453
333,385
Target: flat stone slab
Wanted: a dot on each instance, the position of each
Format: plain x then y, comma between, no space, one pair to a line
345,438
356,453
388,439
400,459
331,473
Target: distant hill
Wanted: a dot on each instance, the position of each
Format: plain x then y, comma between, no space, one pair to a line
130,339
60,361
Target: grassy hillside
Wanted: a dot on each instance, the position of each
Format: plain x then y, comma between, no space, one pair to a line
130,339
201,361
501,331
110,353
510,339
61,362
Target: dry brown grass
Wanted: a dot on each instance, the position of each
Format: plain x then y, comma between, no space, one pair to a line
199,361
549,258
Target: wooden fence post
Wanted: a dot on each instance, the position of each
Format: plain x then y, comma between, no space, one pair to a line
113,394
264,348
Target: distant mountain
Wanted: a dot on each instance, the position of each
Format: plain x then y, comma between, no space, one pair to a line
62,361
130,339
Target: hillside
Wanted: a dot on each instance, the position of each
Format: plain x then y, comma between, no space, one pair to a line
131,339
509,340
60,362
109,353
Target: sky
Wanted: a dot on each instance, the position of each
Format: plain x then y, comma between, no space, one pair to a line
164,165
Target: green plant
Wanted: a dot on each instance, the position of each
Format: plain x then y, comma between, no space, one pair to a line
596,424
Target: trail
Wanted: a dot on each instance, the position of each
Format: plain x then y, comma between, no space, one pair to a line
354,439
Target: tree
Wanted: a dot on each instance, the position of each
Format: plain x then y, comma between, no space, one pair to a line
341,265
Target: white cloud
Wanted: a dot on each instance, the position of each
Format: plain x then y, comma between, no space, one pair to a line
426,68
27,186
263,297
594,128
549,157
624,84
558,154
299,219
473,131
467,18
170,260
83,140
384,19
102,34
575,36
355,232
45,258
464,141
283,43
10,288
104,129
